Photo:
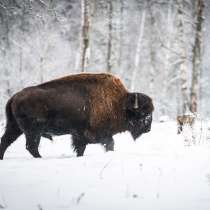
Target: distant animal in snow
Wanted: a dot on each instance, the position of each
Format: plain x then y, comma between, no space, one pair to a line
182,120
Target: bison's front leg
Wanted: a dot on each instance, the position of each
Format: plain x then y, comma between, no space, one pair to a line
109,144
79,143
32,143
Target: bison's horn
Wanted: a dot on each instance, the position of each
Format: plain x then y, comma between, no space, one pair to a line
136,106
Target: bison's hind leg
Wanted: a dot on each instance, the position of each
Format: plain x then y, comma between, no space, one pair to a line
12,132
79,144
32,143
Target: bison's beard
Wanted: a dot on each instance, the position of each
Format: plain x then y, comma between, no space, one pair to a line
139,126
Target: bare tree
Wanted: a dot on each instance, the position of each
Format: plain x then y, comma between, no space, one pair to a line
114,35
196,55
85,8
5,51
138,48
110,28
121,39
168,44
152,29
21,54
182,60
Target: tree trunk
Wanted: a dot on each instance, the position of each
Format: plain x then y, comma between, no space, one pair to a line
85,7
22,28
196,55
6,55
182,57
168,46
109,51
121,22
41,69
152,31
138,49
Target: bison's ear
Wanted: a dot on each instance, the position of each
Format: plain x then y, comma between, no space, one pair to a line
132,103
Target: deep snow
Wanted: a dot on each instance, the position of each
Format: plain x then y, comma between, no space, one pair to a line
159,171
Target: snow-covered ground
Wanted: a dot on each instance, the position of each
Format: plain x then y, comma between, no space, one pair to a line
159,171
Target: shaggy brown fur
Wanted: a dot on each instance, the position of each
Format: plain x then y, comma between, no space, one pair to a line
109,93
91,107
106,93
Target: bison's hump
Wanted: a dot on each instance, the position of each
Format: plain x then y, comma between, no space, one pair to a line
87,79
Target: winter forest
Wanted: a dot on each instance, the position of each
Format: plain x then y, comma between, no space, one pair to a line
159,47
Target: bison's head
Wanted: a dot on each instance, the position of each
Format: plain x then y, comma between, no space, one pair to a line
139,108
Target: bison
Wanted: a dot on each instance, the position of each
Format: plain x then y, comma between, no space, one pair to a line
90,107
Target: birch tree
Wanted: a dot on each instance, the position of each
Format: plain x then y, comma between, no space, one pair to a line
110,28
152,30
5,50
138,48
121,39
85,17
196,54
23,27
182,62
168,43
114,35
169,77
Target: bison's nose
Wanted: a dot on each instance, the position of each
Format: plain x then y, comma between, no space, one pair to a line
148,121
148,129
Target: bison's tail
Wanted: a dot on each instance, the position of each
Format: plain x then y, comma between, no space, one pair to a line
12,131
10,119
